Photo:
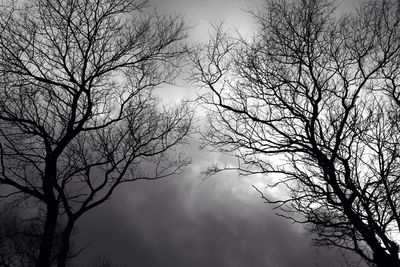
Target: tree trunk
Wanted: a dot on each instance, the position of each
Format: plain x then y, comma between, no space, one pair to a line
46,245
65,244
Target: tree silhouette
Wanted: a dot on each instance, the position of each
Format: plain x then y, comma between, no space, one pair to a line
17,245
313,100
78,116
20,236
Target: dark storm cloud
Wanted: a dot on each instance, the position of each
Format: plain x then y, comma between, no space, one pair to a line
185,221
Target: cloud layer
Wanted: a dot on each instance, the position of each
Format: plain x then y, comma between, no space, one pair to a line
187,221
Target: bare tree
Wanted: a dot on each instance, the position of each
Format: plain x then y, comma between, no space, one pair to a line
78,116
313,100
20,236
16,246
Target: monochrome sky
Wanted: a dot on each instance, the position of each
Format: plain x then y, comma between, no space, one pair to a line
187,220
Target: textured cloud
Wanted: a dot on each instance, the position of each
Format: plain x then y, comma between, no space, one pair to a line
185,221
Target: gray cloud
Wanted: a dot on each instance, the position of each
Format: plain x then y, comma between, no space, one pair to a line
185,221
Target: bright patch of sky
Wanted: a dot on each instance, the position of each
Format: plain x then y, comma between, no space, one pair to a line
200,15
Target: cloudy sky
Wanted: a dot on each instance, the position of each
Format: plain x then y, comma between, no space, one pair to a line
186,220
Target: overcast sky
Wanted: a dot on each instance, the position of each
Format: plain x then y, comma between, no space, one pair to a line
186,220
